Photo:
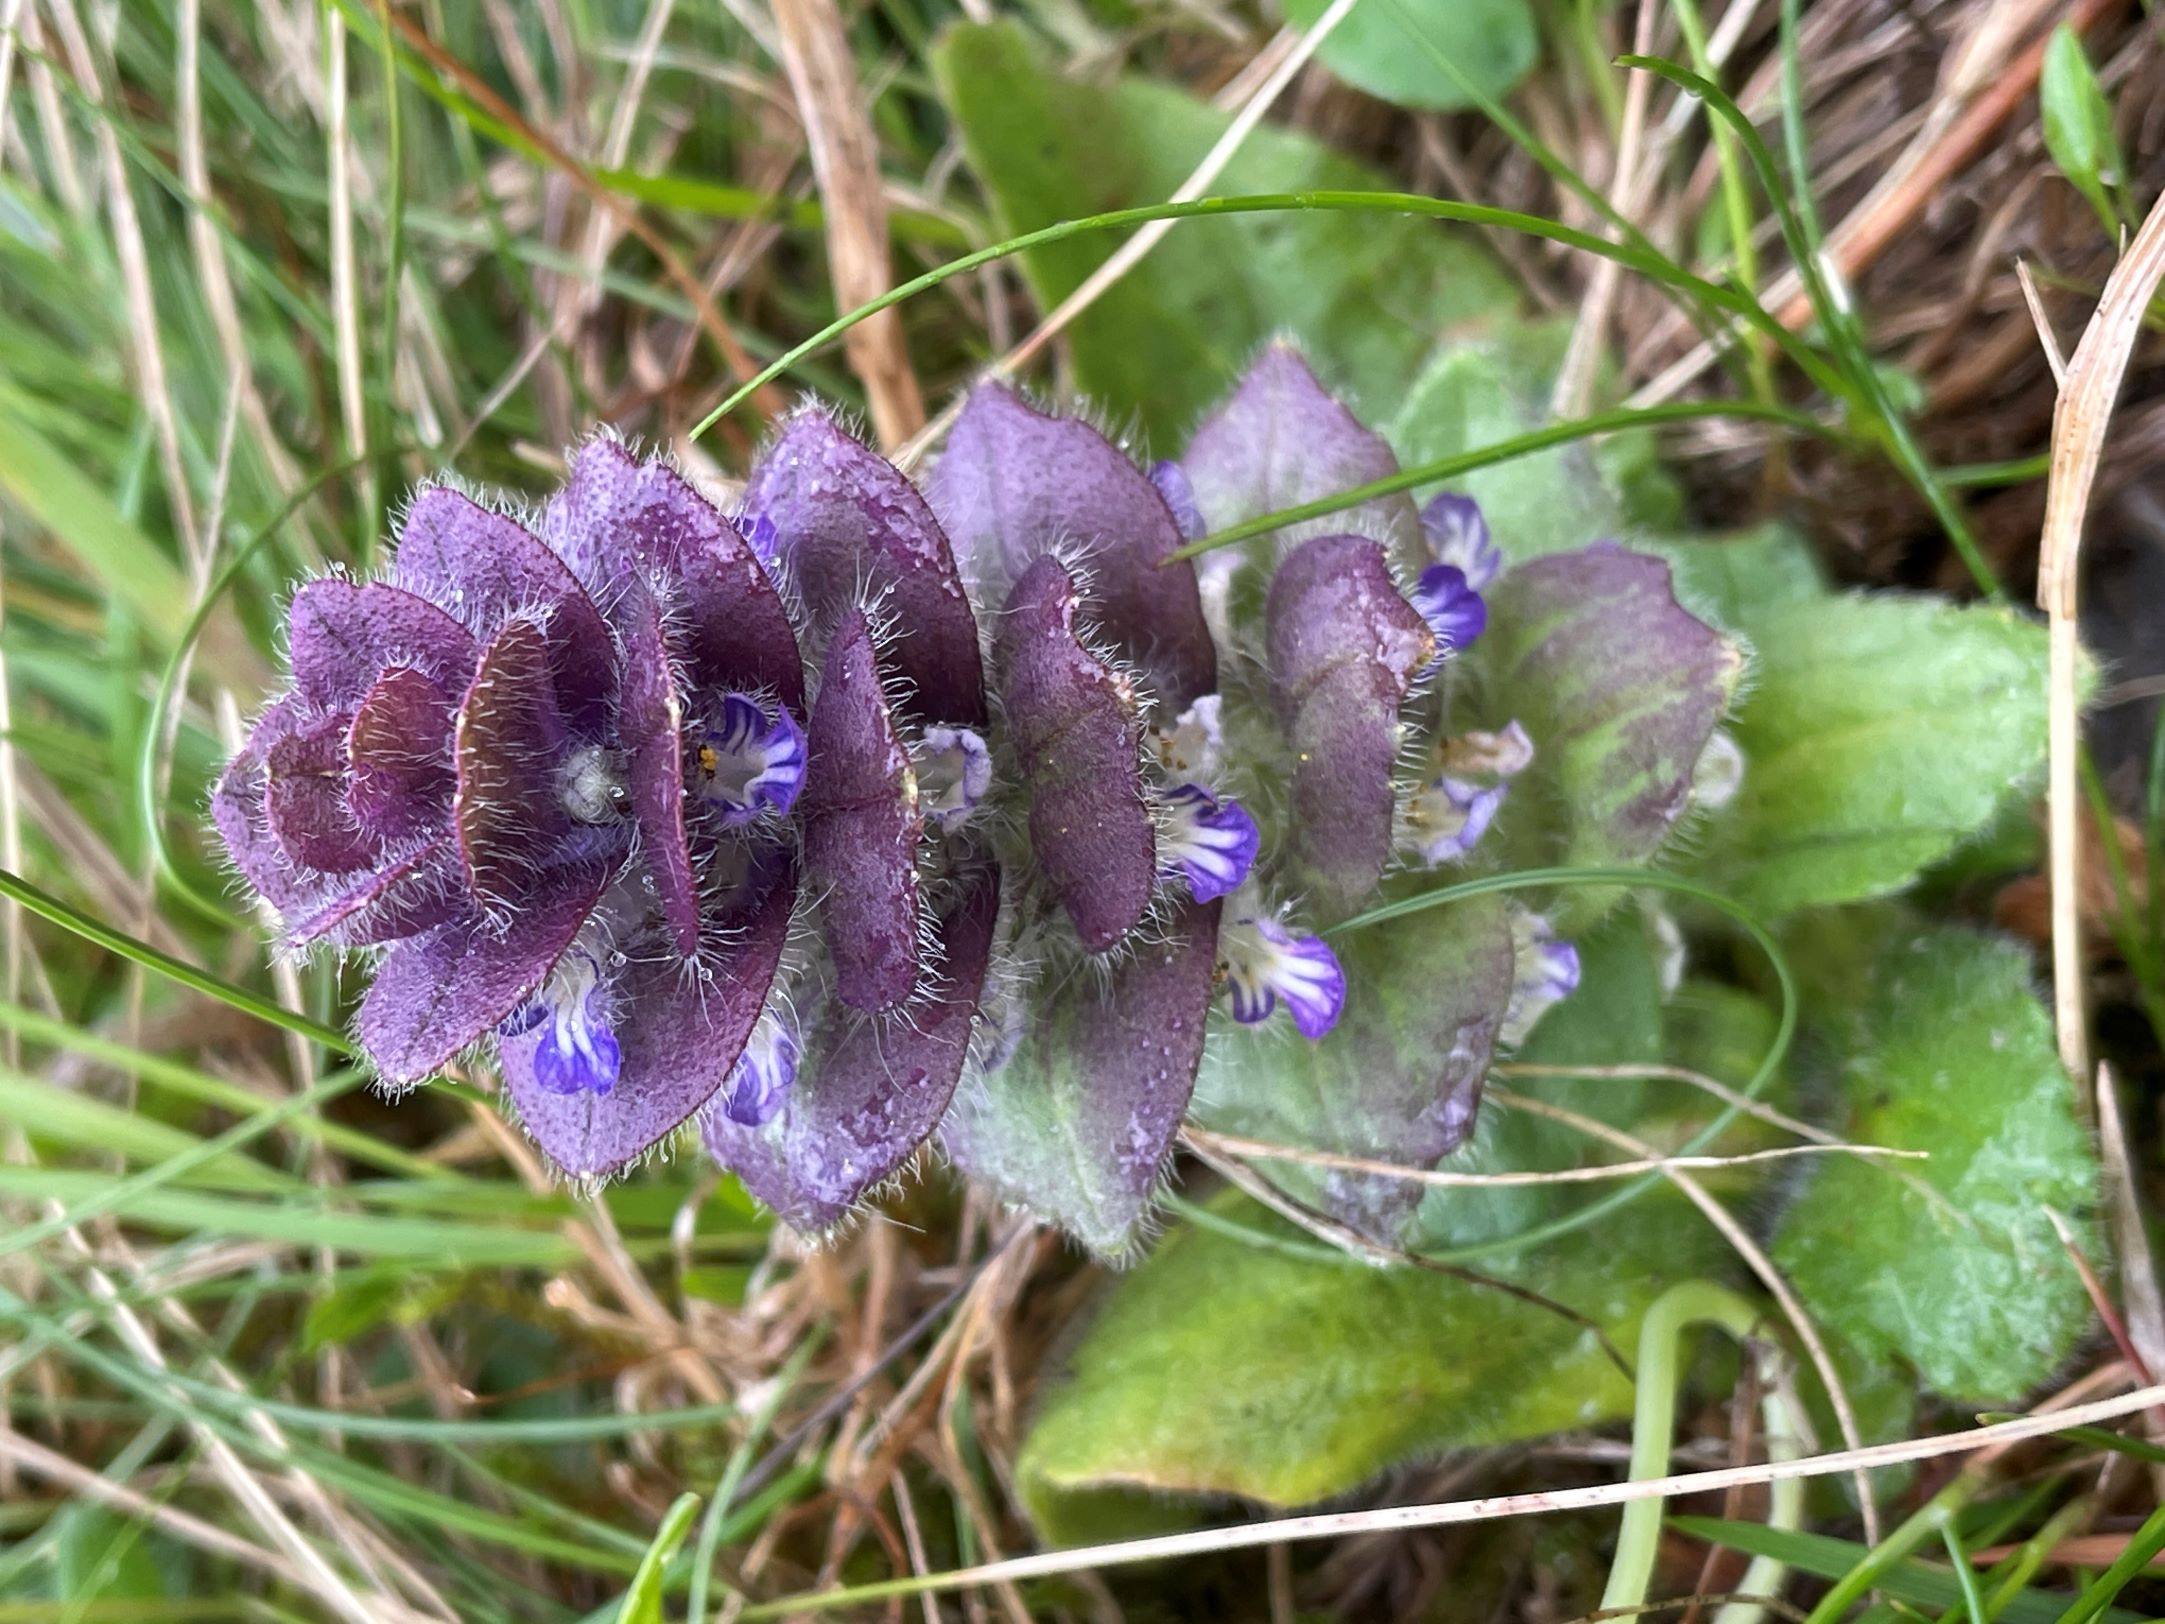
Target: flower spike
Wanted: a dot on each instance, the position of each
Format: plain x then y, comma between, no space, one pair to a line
870,812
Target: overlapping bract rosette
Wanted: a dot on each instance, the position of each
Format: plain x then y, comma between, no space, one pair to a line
871,816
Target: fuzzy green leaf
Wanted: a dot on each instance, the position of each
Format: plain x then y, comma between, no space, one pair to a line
1879,734
1950,1264
1369,292
1223,1368
1388,47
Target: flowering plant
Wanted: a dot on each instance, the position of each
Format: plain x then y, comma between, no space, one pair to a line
875,813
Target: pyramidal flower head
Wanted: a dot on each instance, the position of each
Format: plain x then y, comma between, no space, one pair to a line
873,814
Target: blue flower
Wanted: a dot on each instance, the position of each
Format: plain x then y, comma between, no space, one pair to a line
578,1052
1209,840
954,770
763,1074
1267,965
751,763
1458,535
1546,972
1455,612
1447,818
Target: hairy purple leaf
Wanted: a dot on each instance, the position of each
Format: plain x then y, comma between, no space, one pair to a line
1074,726
853,530
862,826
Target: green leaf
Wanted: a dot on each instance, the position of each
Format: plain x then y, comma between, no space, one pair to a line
1397,1080
1879,734
1737,580
1620,689
1225,1368
1368,293
1950,1264
643,1600
1388,47
2078,124
1496,387
1924,1584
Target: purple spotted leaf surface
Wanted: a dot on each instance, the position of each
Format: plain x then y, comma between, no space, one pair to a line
861,827
853,530
1281,439
1398,1079
399,747
1078,1125
1620,688
677,1030
346,634
1015,484
869,1089
650,721
1075,729
1343,650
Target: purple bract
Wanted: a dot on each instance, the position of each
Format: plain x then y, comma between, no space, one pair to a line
807,822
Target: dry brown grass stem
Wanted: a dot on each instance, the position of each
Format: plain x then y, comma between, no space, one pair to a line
1488,1508
767,398
2079,423
1448,1178
845,156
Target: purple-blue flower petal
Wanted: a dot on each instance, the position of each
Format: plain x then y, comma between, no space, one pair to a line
1207,840
1457,535
954,772
1453,610
748,763
852,530
760,1081
1447,817
1343,650
1075,730
862,826
1267,966
1015,484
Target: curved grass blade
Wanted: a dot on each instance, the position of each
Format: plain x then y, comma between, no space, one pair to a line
1520,445
17,889
1665,273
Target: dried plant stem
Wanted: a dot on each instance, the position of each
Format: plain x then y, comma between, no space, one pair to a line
2079,422
1756,1259
1454,1513
845,156
1447,1178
